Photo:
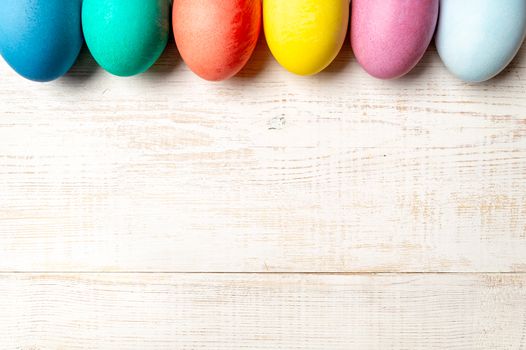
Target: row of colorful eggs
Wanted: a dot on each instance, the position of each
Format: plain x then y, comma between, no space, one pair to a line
476,39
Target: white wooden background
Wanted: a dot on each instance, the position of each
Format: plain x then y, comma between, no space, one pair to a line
267,212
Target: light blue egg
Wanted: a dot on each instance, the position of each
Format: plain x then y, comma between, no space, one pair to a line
477,39
40,39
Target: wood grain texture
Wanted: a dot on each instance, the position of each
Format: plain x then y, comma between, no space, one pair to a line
167,311
267,172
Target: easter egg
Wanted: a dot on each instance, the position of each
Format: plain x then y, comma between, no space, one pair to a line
477,39
126,37
389,37
216,38
305,35
40,39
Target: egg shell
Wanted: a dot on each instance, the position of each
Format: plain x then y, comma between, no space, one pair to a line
477,39
126,37
40,39
389,37
216,38
305,36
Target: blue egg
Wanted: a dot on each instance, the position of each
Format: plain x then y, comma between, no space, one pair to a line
477,39
40,39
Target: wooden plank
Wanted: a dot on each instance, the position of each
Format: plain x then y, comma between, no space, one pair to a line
180,311
266,172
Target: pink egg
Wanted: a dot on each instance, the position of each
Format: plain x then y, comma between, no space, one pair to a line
389,37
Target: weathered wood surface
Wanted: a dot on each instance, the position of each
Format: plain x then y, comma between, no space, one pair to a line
272,311
267,172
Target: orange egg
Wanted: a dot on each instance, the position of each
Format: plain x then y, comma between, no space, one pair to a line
216,38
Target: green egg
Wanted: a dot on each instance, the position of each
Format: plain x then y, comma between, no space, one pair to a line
126,37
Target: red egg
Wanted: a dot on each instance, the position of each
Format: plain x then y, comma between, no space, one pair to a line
216,38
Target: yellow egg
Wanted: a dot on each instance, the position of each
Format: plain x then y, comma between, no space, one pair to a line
305,35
